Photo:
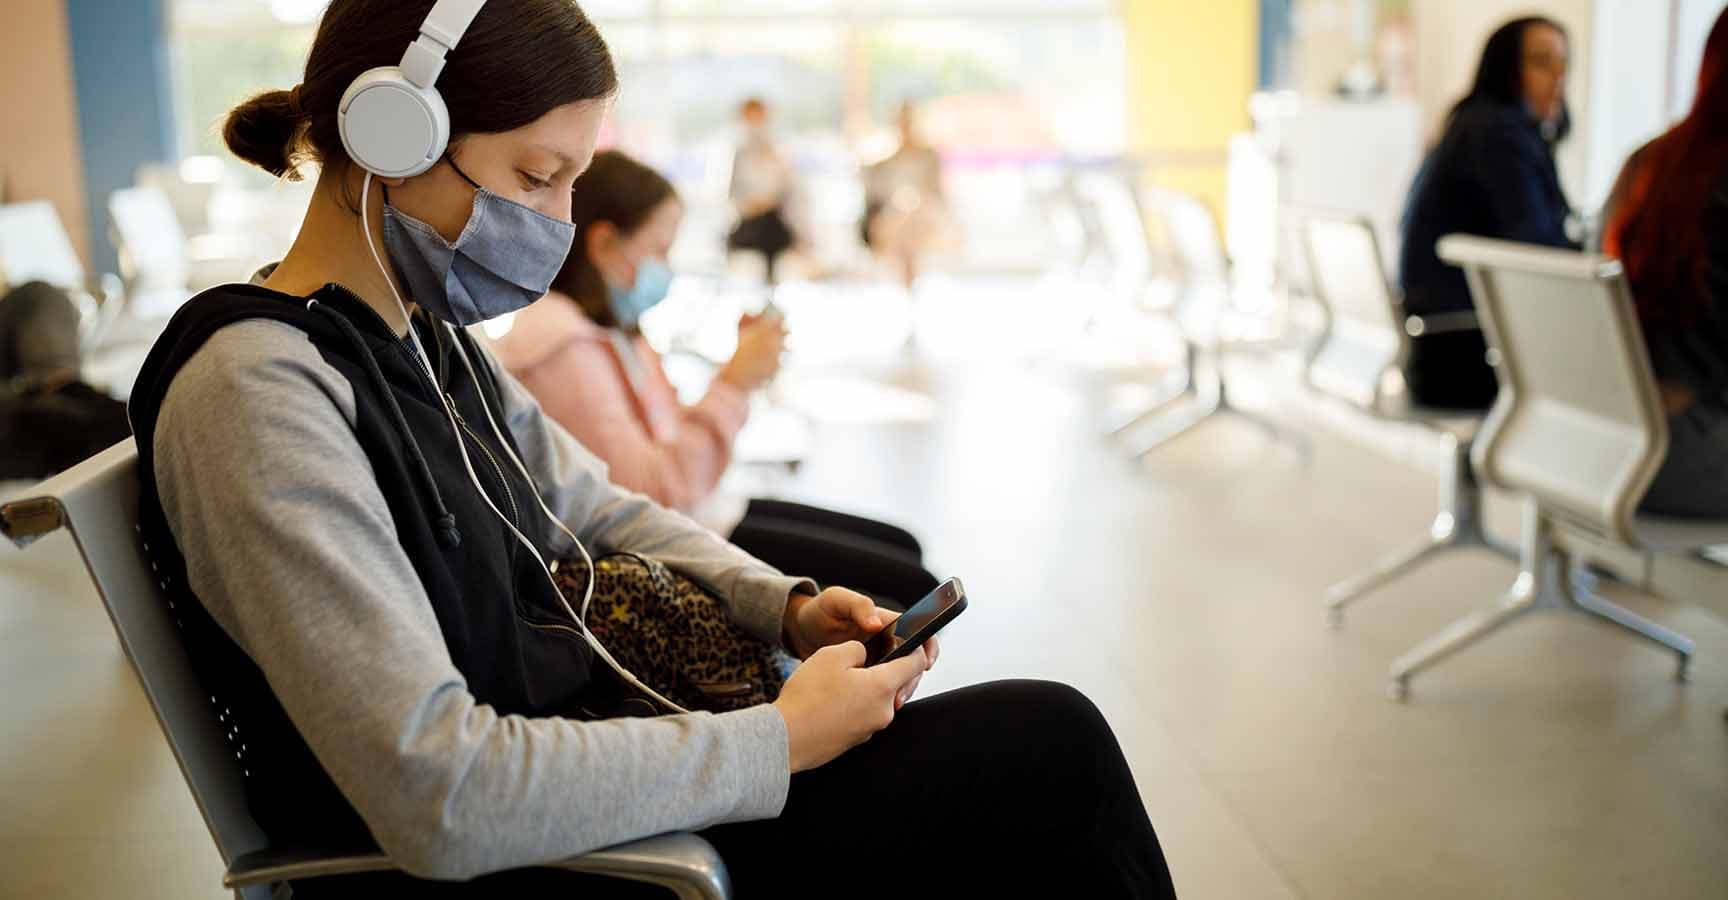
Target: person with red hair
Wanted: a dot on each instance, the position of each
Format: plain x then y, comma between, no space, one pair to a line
1668,224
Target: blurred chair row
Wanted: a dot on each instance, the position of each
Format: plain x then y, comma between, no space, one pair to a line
1144,232
1577,432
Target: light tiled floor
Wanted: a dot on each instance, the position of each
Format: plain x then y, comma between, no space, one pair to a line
1557,760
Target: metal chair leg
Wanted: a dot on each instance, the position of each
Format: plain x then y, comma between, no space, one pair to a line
1457,525
1546,580
1602,610
1178,422
1522,598
1212,398
1388,569
1461,507
1171,388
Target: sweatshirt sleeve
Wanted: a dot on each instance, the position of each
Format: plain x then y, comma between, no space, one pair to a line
583,389
576,486
292,548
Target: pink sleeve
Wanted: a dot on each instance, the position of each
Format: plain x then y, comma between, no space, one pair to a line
583,387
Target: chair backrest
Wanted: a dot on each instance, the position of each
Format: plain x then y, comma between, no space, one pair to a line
34,247
1120,230
152,245
98,502
1578,424
1196,244
1364,339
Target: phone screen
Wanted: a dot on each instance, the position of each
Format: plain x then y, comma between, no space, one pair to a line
934,609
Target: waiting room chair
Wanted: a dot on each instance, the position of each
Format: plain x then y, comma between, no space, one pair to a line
1578,429
97,502
152,244
1212,325
34,246
1362,352
1122,257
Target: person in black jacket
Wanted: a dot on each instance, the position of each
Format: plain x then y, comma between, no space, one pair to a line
1492,174
50,418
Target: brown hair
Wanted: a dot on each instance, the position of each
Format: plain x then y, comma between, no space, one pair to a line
615,189
518,61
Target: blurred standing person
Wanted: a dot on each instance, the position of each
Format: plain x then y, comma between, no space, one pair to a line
1668,224
1492,174
760,190
905,207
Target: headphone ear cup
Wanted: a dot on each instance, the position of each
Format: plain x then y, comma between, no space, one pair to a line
391,127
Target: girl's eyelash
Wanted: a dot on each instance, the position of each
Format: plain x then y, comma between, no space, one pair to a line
536,183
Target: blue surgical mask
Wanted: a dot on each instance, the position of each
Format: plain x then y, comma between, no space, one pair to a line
653,280
504,259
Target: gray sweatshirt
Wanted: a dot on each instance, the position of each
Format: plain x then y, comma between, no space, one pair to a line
290,545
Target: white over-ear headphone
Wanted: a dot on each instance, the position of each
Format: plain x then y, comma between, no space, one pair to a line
393,122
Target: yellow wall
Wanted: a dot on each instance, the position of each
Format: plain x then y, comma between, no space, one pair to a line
1192,65
40,154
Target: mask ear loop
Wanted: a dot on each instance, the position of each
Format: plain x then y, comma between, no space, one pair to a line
474,477
408,323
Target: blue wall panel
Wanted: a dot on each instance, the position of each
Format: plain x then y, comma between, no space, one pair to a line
125,103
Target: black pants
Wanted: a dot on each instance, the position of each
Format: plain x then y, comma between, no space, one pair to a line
1451,371
1009,789
1693,480
874,557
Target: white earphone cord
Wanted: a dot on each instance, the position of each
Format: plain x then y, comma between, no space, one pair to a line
462,447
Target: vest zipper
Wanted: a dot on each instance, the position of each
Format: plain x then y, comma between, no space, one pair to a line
498,470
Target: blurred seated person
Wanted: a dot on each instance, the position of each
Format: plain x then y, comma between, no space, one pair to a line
1492,174
905,208
50,419
1668,225
760,190
580,352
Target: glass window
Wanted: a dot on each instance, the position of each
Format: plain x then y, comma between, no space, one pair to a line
1004,87
225,51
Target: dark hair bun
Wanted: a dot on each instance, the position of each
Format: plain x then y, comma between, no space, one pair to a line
266,132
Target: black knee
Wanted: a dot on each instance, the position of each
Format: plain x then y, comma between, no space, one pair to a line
1056,707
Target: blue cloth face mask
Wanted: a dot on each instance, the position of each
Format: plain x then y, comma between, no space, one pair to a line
505,258
653,280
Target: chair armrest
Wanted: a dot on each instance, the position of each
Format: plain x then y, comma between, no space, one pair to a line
23,521
40,509
1441,323
684,863
274,865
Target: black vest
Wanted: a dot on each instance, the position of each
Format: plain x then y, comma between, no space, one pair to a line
502,621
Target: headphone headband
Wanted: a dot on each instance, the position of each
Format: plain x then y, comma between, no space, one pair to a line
439,34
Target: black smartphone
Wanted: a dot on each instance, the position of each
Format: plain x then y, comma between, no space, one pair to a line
919,624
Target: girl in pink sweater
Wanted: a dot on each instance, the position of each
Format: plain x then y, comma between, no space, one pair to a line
580,353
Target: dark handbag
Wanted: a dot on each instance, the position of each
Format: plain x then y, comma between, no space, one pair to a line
672,634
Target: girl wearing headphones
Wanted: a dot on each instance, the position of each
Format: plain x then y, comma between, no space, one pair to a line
355,508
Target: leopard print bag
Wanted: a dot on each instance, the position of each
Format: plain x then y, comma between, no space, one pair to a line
673,635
